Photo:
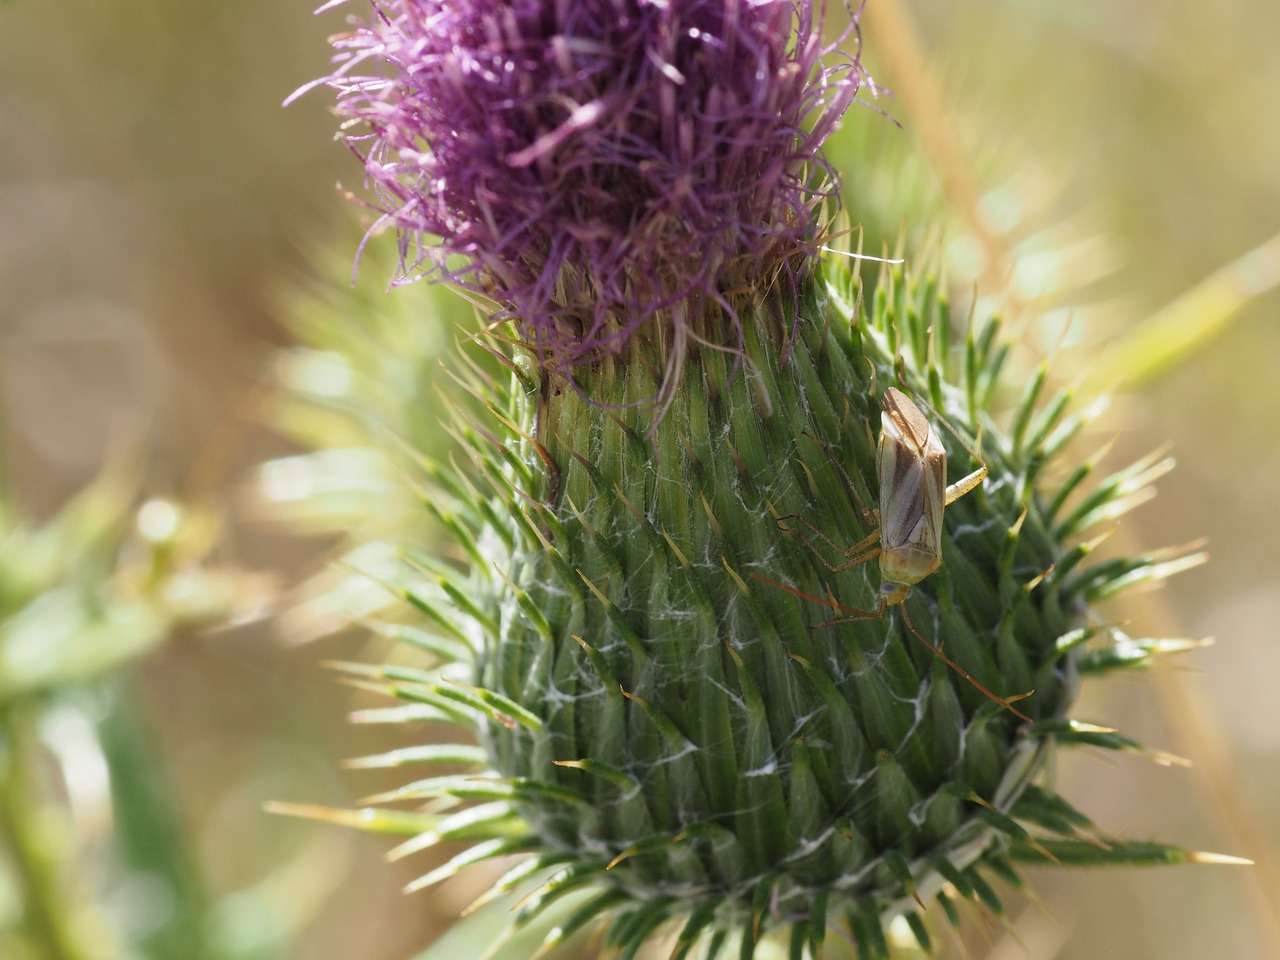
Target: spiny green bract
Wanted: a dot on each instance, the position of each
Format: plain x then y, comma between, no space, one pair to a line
677,735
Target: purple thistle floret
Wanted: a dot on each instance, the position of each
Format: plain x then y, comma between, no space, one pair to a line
598,163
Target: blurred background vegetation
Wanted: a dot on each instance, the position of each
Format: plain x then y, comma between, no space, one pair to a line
166,229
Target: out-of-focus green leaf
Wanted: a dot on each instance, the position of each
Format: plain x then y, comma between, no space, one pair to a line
65,637
80,542
328,490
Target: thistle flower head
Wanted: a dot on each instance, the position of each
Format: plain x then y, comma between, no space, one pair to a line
599,162
701,708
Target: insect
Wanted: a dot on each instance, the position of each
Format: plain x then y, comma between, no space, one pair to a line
911,464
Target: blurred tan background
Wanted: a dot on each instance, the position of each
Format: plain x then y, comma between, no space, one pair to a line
154,197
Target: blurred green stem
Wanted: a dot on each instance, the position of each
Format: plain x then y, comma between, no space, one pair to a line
37,856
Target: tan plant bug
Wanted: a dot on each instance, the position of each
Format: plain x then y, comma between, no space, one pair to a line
912,467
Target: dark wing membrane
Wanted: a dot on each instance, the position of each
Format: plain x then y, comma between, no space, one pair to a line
901,495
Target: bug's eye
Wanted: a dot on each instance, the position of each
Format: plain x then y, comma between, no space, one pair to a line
894,592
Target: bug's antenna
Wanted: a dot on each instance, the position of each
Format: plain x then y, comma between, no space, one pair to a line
855,614
825,601
964,673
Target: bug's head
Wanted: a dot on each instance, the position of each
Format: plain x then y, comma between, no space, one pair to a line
892,592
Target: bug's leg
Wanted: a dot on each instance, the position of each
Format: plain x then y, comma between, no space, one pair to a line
856,561
860,559
962,486
861,552
855,615
869,516
854,612
937,650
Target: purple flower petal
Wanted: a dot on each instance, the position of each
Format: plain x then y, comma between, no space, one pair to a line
601,165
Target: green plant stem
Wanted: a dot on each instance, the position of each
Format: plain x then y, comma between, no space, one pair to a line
38,862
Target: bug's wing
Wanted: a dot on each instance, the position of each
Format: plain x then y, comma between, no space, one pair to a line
933,484
913,488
